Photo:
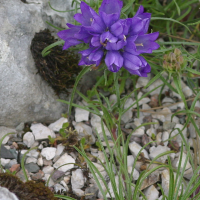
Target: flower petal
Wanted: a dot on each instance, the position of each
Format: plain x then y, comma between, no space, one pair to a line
131,62
114,61
95,41
108,37
96,55
86,17
145,43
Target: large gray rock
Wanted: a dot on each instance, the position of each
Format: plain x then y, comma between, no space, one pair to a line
24,95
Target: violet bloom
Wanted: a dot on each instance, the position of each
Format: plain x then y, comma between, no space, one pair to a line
117,41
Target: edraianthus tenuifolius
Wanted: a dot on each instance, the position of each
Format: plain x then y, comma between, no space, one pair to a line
118,41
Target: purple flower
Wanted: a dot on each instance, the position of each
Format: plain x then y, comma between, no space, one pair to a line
117,41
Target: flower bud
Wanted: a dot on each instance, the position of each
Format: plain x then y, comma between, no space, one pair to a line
173,61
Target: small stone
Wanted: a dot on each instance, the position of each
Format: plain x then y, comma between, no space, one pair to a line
47,162
4,161
153,178
31,160
85,131
78,192
33,153
10,164
46,178
135,148
48,152
21,176
5,153
151,193
64,159
167,125
187,91
77,179
135,173
81,115
32,167
48,169
57,125
91,193
151,132
37,176
192,130
3,131
146,107
130,160
154,101
57,174
28,139
41,132
142,81
138,132
165,136
40,161
165,177
113,99
58,187
5,194
178,138
15,167
159,138
155,151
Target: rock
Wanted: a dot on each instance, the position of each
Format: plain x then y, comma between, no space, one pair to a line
178,137
46,178
167,125
142,81
128,114
192,130
57,174
113,99
10,164
21,176
64,159
96,124
156,84
187,91
5,194
165,178
59,150
48,152
146,107
78,192
155,151
4,130
153,178
135,173
31,160
81,114
37,176
130,160
48,169
138,132
33,153
41,132
4,162
15,168
40,161
57,125
151,193
77,179
165,136
58,187
85,131
5,153
25,95
91,193
32,167
151,132
47,162
28,139
135,148
20,127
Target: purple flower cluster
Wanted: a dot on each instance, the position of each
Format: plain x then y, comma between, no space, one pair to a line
118,41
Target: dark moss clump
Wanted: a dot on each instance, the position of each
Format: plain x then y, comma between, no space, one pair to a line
59,68
30,190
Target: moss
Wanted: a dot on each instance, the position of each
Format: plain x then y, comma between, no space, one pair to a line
30,190
59,68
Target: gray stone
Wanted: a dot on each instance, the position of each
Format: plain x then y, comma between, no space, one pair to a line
20,127
57,125
91,193
5,153
86,132
167,125
24,95
135,148
64,159
32,167
5,194
81,114
57,174
151,193
77,179
58,187
31,160
28,139
4,130
48,169
41,132
48,152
